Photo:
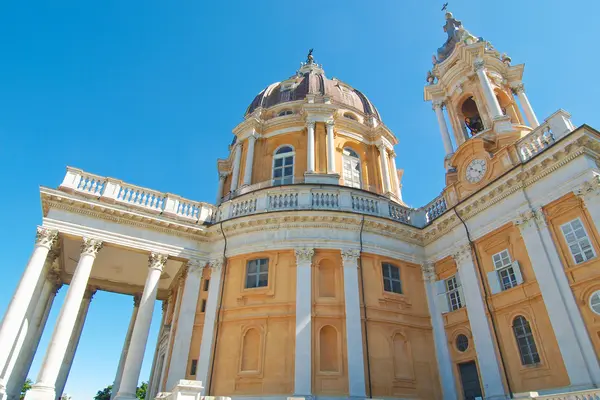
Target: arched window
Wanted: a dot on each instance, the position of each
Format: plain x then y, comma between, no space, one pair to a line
351,167
525,341
472,117
283,165
285,112
250,351
328,349
350,116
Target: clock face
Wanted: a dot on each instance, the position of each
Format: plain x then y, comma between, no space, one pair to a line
476,170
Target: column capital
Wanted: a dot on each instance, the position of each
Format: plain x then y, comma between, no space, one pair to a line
254,136
195,266
90,292
45,237
478,64
304,256
223,175
393,153
530,218
437,104
157,261
517,88
330,123
462,254
589,188
350,256
310,124
216,264
164,306
428,270
91,246
136,300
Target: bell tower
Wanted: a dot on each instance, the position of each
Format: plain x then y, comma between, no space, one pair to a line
476,86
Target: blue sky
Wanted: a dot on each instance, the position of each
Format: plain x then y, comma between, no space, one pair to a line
148,92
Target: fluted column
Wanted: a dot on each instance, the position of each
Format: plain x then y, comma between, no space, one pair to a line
45,239
185,323
482,336
569,328
210,314
44,387
440,339
354,342
519,90
119,375
488,91
303,360
330,148
439,113
235,174
222,177
65,368
385,173
310,147
249,159
141,328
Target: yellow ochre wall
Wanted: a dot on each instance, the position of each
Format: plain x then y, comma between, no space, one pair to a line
198,322
584,278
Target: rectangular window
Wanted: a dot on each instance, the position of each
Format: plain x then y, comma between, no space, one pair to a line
257,273
578,241
504,269
203,306
391,278
206,283
453,294
193,367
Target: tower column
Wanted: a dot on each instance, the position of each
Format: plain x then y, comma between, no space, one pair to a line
185,323
439,113
67,363
119,375
310,147
489,369
44,388
385,173
222,177
395,179
488,91
249,159
210,314
11,324
440,340
303,360
354,342
235,174
569,328
330,148
519,90
141,328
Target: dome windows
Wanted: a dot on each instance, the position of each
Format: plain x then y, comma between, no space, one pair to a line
351,168
283,113
283,165
351,116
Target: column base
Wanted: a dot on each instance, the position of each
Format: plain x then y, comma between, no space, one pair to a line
41,392
125,396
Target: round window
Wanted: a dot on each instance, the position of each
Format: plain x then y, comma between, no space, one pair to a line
462,342
595,302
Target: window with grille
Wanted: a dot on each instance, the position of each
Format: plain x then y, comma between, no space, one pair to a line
351,168
453,294
391,278
283,166
595,302
257,273
284,113
578,241
462,343
525,341
504,269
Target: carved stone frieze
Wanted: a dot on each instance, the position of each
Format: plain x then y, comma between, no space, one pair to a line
463,254
589,188
216,264
195,266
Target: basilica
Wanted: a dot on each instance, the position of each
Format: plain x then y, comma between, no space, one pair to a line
310,278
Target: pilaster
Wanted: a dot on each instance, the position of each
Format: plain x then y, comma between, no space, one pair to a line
303,360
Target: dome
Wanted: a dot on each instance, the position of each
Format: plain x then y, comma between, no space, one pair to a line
310,79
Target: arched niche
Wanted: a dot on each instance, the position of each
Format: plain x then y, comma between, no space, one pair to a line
403,362
326,287
329,356
251,347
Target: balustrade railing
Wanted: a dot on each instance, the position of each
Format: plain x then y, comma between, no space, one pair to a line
544,136
279,201
140,197
323,199
593,394
434,208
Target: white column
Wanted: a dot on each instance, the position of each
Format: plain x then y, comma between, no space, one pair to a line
571,334
439,113
141,328
119,375
440,340
185,323
153,381
222,176
23,362
11,324
354,342
235,174
310,147
395,179
330,148
210,314
488,91
303,360
249,159
65,368
385,173
44,386
482,337
519,90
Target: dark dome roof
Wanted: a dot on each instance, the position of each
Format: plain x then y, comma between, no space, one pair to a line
311,79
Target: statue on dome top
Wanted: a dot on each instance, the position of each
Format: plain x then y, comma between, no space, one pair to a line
309,58
456,33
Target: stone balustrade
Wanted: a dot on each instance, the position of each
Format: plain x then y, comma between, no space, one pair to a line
554,127
593,394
